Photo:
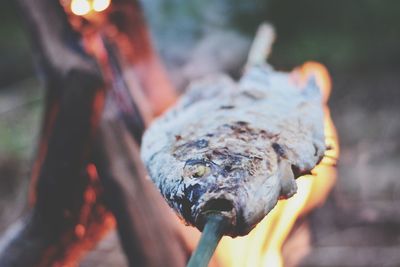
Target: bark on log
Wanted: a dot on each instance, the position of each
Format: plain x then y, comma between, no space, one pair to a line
135,45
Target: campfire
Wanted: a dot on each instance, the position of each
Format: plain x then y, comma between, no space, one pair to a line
119,101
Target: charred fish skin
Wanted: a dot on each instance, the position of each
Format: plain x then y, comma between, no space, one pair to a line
235,147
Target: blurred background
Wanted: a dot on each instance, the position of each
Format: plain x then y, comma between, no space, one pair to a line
359,43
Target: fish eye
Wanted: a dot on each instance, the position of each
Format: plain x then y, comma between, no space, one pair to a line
196,170
228,168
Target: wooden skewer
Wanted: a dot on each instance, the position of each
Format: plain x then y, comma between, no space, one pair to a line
212,233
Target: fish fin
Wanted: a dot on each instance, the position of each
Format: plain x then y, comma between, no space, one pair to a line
288,183
261,46
257,70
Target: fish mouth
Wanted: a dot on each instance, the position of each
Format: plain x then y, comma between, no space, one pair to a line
219,205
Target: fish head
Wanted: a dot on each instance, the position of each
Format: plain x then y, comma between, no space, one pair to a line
226,173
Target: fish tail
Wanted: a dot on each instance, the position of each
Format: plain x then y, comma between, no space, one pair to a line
262,45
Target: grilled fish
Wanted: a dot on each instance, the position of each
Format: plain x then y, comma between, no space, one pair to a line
236,147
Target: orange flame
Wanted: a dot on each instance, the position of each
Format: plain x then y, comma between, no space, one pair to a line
263,246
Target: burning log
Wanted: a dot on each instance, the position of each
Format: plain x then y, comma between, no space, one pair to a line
149,233
132,198
124,25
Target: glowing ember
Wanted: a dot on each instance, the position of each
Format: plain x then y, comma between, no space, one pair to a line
100,5
84,7
262,247
80,230
80,7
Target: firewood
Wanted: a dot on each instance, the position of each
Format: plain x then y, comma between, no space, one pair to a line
130,196
150,234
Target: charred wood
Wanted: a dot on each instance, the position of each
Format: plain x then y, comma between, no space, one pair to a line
134,43
149,233
137,206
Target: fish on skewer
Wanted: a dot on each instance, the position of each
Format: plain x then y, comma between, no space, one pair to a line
236,147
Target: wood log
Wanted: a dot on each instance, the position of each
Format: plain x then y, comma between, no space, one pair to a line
64,221
149,232
69,216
